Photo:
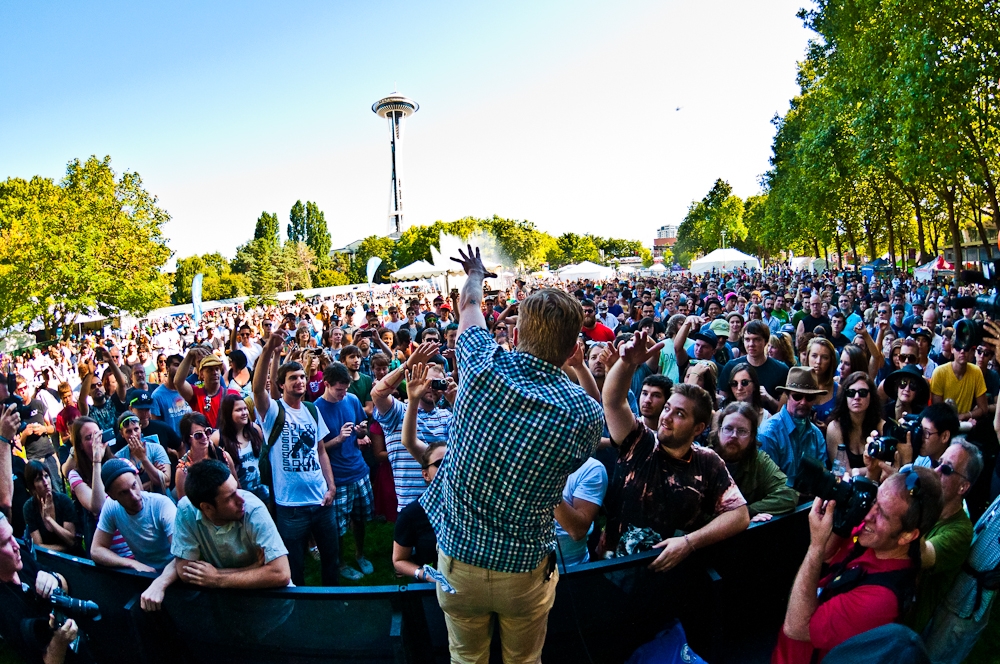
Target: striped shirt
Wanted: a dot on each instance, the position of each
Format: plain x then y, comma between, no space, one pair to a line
521,427
432,427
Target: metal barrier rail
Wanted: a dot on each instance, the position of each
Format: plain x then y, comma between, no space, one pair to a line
730,598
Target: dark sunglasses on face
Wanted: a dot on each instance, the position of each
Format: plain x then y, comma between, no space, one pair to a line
907,383
740,383
907,358
808,398
948,469
863,393
435,464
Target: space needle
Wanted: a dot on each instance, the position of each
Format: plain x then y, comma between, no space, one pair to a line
395,108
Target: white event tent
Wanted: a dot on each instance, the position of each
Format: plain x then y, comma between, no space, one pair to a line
418,270
724,259
586,270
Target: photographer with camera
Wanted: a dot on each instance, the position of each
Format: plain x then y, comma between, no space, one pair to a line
905,443
28,595
863,585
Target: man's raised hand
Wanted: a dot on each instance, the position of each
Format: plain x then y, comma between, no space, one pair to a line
417,382
638,350
423,353
472,262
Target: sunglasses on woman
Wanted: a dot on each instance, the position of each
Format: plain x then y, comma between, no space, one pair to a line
740,383
907,383
863,393
202,435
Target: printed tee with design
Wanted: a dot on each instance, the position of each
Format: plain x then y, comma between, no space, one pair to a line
297,477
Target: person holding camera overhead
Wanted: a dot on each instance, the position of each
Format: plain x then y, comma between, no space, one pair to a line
845,588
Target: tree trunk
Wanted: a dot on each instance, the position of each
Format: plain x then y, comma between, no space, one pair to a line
840,251
887,210
871,239
816,246
853,242
918,211
948,193
902,251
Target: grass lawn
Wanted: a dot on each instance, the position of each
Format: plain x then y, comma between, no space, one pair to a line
378,550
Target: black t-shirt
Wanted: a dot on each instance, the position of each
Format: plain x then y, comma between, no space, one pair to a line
37,446
164,433
809,323
839,342
65,511
20,603
413,529
771,374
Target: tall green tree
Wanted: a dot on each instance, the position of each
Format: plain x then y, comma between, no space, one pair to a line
92,243
297,223
317,234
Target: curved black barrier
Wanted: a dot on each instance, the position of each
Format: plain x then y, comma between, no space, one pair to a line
730,598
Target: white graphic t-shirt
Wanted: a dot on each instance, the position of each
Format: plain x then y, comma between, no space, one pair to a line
297,477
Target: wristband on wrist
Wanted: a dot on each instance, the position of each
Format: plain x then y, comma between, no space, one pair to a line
689,543
4,439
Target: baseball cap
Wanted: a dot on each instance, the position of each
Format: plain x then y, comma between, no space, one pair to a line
141,399
708,336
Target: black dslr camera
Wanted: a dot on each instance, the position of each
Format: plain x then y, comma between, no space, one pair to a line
13,398
36,632
893,435
969,334
854,498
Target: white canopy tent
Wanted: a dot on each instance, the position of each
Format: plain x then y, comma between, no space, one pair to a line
418,270
586,270
724,259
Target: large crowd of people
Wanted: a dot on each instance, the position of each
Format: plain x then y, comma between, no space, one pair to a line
524,431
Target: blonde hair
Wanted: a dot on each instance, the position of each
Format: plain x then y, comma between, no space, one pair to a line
548,325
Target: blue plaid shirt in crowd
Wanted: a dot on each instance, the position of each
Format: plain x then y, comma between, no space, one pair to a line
520,428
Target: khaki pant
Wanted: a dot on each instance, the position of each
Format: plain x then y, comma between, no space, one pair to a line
521,602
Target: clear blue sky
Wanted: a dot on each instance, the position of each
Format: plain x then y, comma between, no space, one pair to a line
562,112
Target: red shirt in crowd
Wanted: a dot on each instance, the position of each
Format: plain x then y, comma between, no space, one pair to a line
846,615
599,332
209,406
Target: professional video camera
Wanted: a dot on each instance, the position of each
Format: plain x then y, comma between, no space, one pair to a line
36,632
13,398
894,435
854,498
969,334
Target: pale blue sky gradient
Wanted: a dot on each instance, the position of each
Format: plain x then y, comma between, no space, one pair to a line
558,112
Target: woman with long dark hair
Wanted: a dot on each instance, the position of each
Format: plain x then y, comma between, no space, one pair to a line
242,439
744,387
196,436
49,515
858,412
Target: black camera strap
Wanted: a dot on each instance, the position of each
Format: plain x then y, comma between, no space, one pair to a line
901,582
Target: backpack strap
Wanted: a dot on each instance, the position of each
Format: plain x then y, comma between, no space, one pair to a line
902,583
311,407
264,461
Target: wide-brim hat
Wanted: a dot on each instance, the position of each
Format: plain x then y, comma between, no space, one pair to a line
801,380
923,390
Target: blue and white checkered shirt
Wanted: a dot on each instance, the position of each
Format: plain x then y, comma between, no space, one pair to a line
520,428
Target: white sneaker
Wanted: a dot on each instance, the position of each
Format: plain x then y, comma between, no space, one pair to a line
366,567
349,572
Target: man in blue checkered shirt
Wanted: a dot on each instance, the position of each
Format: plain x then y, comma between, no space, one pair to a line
520,428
